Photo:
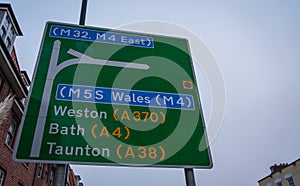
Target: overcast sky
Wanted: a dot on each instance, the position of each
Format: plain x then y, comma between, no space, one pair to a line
256,44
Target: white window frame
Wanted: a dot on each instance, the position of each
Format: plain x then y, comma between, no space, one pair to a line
51,177
8,33
278,182
6,22
46,173
40,170
1,81
11,133
290,176
2,175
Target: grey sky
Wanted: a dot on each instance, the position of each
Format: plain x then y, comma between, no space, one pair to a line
257,46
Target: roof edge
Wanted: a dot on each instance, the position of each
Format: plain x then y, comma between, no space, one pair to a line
270,175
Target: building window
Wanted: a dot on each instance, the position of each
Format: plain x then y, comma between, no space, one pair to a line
2,174
8,42
51,176
10,38
10,138
289,179
6,23
40,170
46,173
1,82
278,182
11,34
7,33
269,184
3,32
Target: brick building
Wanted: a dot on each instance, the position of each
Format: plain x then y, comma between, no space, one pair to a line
14,84
284,174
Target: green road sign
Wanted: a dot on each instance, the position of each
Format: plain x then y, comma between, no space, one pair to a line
110,97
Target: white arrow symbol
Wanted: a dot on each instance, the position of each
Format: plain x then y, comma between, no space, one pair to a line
107,63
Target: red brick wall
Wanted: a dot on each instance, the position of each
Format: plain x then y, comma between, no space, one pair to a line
14,172
14,58
71,176
4,90
44,179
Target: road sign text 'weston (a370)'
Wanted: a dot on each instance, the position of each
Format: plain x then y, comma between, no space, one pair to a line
111,97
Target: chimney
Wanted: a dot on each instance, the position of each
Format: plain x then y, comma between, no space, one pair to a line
277,168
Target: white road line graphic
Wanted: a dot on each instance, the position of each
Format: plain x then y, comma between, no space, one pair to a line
108,63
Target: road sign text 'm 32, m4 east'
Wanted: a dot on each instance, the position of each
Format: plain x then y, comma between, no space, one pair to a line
111,97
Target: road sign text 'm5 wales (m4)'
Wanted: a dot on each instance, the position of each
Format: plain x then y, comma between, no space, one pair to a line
111,97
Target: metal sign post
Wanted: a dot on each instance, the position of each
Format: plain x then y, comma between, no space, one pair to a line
61,172
189,177
62,169
83,12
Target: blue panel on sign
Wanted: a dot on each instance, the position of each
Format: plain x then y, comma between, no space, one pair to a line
101,36
124,97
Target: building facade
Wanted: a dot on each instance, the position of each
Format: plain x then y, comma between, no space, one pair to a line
14,85
72,179
286,174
